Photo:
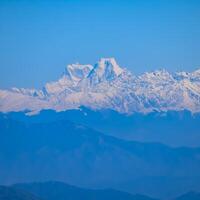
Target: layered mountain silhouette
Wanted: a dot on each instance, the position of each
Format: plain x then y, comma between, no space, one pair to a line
62,191
65,151
11,193
189,196
100,126
52,190
171,128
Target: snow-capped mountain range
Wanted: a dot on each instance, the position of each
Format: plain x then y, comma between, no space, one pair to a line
108,86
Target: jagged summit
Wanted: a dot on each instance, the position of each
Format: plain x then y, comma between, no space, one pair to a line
106,69
77,72
105,85
110,65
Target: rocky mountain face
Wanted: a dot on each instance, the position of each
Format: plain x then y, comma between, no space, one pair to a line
108,86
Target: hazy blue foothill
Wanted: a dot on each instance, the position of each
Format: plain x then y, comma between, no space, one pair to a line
62,191
11,193
174,128
52,190
71,152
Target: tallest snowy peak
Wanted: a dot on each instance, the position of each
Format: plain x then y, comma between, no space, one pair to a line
110,64
106,69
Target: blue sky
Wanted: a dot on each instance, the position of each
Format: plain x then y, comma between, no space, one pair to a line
38,38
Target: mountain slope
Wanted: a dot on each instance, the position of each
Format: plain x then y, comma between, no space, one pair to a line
189,196
62,191
176,129
10,193
107,86
73,153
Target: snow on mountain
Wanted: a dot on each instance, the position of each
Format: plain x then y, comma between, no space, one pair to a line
107,86
105,70
77,72
12,100
72,76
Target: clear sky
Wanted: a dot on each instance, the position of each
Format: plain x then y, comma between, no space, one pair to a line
39,38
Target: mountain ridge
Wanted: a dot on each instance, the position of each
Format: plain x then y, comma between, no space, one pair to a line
108,86
52,190
174,128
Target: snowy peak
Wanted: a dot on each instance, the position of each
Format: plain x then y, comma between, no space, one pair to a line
109,65
157,77
107,86
106,69
193,76
77,72
73,74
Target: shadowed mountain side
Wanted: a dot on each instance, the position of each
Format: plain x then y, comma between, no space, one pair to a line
11,193
189,196
62,191
172,128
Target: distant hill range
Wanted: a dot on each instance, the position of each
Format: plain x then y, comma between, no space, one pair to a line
66,151
62,191
11,193
189,196
173,128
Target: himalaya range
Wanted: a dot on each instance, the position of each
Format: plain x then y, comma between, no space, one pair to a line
108,86
103,127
